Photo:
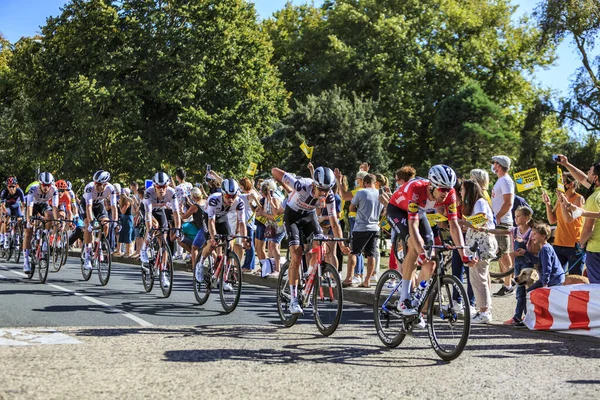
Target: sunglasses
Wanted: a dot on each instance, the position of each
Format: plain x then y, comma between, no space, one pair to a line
230,196
444,190
12,187
45,185
161,186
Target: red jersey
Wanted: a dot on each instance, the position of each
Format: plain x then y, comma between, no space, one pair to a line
413,196
64,199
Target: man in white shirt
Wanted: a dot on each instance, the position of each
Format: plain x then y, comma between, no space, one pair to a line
503,196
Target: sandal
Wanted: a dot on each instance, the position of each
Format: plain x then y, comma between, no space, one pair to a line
346,284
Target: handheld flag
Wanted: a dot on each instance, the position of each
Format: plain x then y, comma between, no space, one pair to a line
308,151
528,179
559,179
251,171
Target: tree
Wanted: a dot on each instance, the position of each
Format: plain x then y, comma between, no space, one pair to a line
580,21
344,132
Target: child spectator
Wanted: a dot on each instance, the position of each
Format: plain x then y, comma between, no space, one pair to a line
551,271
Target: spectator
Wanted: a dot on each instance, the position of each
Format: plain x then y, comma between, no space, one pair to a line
250,198
483,180
270,207
551,272
365,233
193,231
503,195
475,204
590,236
568,230
126,236
458,266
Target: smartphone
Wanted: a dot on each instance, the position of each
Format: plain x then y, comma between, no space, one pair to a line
207,167
556,157
271,192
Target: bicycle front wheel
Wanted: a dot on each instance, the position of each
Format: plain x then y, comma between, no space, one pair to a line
230,282
202,286
328,299
64,238
284,297
56,253
104,262
389,324
44,260
86,273
166,271
448,333
17,242
11,245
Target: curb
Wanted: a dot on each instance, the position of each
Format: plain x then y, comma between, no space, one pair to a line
354,295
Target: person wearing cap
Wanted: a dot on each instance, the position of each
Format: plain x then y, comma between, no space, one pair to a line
503,196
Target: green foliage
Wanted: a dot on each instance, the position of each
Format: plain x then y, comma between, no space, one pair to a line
344,132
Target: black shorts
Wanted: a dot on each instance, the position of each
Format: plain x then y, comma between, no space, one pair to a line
163,216
298,222
366,243
40,209
398,219
98,210
222,226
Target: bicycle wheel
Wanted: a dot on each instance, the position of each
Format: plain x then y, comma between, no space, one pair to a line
202,287
230,282
388,322
448,333
328,299
11,245
103,261
284,298
64,238
166,269
87,273
32,262
496,272
56,253
44,260
18,240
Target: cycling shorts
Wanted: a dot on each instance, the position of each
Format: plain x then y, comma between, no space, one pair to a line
14,210
40,209
398,219
297,223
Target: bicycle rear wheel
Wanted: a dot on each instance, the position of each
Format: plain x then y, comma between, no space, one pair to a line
448,333
328,299
104,262
202,287
11,245
389,324
86,273
64,238
284,298
230,282
56,253
44,261
166,269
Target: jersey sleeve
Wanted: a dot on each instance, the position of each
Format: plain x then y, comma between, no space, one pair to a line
55,199
31,195
413,207
451,208
21,195
211,207
240,209
87,195
147,202
290,180
175,202
112,195
330,204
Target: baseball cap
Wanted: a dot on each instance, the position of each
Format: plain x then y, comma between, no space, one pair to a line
361,174
502,160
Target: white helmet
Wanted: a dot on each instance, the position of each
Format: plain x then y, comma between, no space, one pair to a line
230,186
101,176
324,178
442,176
161,179
46,178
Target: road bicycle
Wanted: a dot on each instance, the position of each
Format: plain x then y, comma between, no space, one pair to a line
14,235
224,272
160,261
39,255
100,253
447,332
59,246
320,284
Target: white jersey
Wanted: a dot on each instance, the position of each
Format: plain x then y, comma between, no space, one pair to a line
183,190
152,201
301,198
215,207
93,196
35,195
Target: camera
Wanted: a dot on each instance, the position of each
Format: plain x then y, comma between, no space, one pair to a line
556,157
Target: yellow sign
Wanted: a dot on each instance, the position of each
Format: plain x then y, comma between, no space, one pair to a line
308,151
384,224
559,179
529,179
279,220
477,220
251,171
435,218
262,220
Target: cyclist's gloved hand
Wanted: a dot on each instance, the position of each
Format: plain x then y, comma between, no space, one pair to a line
177,233
469,259
90,227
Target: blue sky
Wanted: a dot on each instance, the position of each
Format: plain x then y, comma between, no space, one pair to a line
24,17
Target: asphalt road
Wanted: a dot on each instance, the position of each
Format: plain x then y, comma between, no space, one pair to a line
75,339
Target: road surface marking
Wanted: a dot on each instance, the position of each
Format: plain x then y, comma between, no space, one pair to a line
34,336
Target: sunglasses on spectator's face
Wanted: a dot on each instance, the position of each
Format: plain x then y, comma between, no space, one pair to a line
162,187
230,196
443,190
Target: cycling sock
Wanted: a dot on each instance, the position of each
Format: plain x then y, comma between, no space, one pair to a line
405,290
294,291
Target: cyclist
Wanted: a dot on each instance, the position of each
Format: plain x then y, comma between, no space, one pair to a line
93,208
406,213
65,201
300,216
38,199
12,199
218,207
156,199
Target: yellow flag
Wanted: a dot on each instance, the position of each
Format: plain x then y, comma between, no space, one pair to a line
308,151
477,220
435,218
528,179
559,179
251,171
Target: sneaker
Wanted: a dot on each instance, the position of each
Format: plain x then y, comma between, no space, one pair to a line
457,307
511,322
356,280
164,280
482,317
421,324
373,279
144,257
504,291
473,311
87,264
520,324
227,287
295,307
406,308
199,273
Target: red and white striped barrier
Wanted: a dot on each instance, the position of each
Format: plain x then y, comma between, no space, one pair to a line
571,308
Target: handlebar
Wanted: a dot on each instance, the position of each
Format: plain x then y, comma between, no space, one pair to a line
323,238
230,237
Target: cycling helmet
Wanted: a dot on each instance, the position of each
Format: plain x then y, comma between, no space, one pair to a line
61,185
442,176
324,178
101,176
46,178
11,181
230,186
161,178
69,185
